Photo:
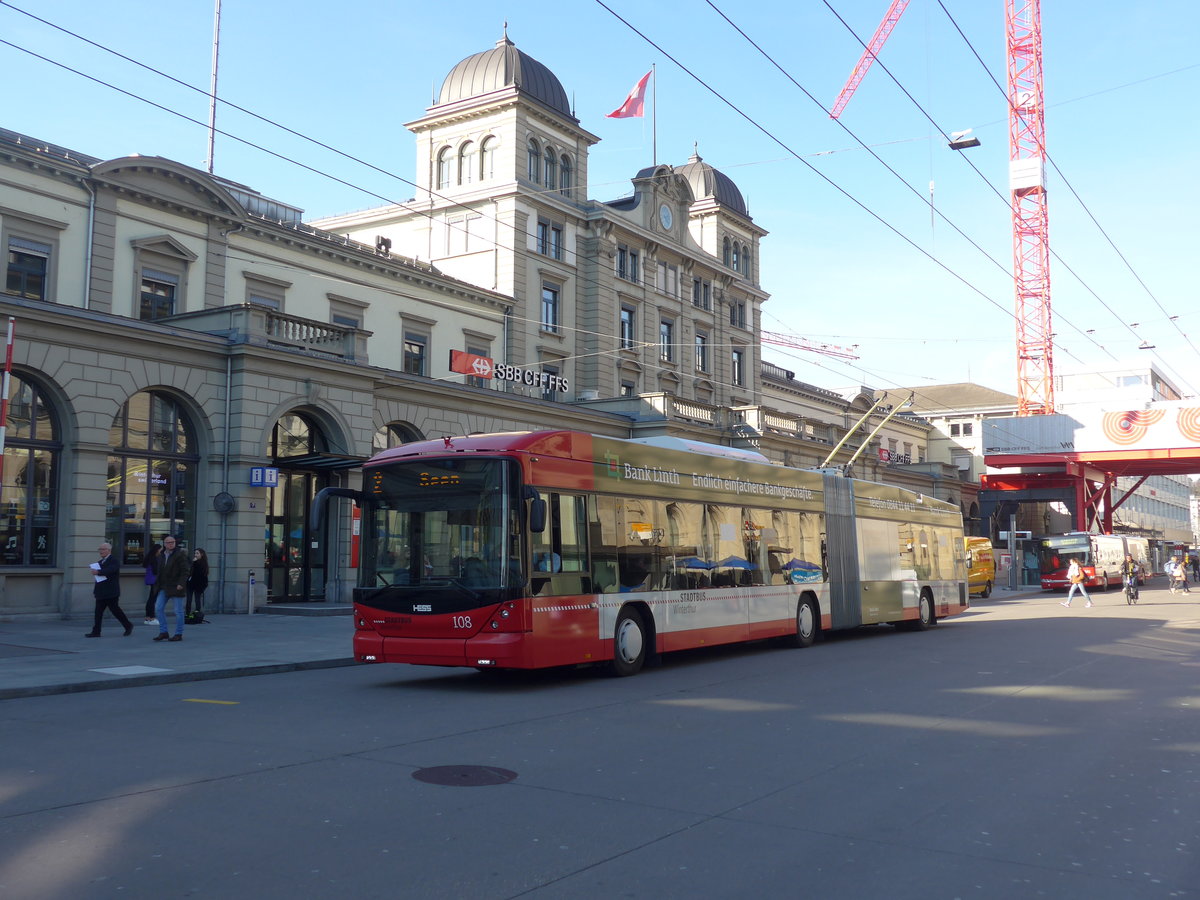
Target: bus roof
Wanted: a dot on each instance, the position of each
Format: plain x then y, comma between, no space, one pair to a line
688,471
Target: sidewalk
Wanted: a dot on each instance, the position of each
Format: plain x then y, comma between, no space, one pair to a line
54,657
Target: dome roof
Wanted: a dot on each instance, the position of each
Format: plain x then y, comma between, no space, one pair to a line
707,182
501,67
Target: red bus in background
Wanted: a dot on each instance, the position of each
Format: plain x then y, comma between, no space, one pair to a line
537,549
1099,555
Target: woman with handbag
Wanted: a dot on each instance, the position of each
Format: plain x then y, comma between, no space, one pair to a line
1076,577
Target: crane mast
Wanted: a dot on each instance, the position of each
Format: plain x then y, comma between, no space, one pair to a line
1027,183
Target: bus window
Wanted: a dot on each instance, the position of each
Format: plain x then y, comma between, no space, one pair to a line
561,549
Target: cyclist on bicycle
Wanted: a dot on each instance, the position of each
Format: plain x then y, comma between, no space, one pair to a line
1129,572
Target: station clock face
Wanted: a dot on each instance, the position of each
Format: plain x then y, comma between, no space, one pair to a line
664,216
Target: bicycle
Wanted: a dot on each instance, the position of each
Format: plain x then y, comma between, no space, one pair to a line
1131,590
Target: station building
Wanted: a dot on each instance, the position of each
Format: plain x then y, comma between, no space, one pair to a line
193,357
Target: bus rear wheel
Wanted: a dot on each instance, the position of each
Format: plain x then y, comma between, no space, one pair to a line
986,592
629,643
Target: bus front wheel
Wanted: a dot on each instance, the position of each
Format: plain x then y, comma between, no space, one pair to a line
629,643
925,616
808,622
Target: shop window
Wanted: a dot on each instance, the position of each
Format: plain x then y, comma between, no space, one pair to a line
151,476
28,496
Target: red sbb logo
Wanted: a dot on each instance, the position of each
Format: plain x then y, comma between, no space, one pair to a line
470,364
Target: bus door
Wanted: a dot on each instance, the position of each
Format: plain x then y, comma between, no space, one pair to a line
841,553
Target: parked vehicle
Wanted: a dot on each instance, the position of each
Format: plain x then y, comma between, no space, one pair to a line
981,566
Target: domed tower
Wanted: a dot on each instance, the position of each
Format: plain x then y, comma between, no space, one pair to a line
501,117
719,220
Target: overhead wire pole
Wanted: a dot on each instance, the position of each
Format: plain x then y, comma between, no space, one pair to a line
1027,182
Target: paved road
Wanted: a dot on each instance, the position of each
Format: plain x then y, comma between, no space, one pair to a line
1023,750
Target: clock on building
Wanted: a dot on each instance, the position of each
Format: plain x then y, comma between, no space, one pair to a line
664,216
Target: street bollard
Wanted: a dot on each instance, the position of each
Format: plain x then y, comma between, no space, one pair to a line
250,594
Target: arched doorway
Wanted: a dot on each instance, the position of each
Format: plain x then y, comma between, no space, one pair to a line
294,572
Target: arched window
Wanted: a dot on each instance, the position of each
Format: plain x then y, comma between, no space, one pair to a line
294,435
28,506
466,163
535,161
736,257
564,175
725,251
395,434
551,180
487,158
151,476
443,168
746,261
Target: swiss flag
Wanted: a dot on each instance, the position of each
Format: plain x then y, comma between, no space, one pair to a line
635,104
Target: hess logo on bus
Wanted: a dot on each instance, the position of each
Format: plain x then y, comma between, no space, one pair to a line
429,479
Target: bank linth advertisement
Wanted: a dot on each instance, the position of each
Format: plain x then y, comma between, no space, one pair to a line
1162,427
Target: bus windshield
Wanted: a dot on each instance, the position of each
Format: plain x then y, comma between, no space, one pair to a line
1056,553
442,522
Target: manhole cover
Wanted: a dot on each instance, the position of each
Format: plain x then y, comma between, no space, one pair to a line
464,776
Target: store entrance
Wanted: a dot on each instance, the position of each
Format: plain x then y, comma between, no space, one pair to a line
294,572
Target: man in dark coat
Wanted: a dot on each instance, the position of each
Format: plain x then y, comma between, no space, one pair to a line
173,571
107,590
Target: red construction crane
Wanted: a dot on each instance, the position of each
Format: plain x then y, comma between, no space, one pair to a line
1027,182
799,343
864,62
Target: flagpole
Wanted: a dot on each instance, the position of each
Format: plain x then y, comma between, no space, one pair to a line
212,94
654,115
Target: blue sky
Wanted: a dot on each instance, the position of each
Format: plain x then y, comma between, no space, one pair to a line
1121,126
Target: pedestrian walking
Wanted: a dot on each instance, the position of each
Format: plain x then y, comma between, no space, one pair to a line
197,584
1177,574
150,561
107,591
1076,577
1195,560
173,571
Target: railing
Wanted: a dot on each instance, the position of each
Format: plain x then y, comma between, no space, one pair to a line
254,324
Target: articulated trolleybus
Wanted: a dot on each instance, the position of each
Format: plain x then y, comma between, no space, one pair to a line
537,549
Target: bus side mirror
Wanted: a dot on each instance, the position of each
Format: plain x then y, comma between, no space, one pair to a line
537,515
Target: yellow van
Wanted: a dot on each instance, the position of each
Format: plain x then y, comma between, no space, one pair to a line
981,566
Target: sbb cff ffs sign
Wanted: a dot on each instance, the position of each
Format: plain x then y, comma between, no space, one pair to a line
482,367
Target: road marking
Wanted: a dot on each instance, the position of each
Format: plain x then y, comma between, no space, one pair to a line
218,702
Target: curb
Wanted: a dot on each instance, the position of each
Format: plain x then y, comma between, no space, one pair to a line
113,682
